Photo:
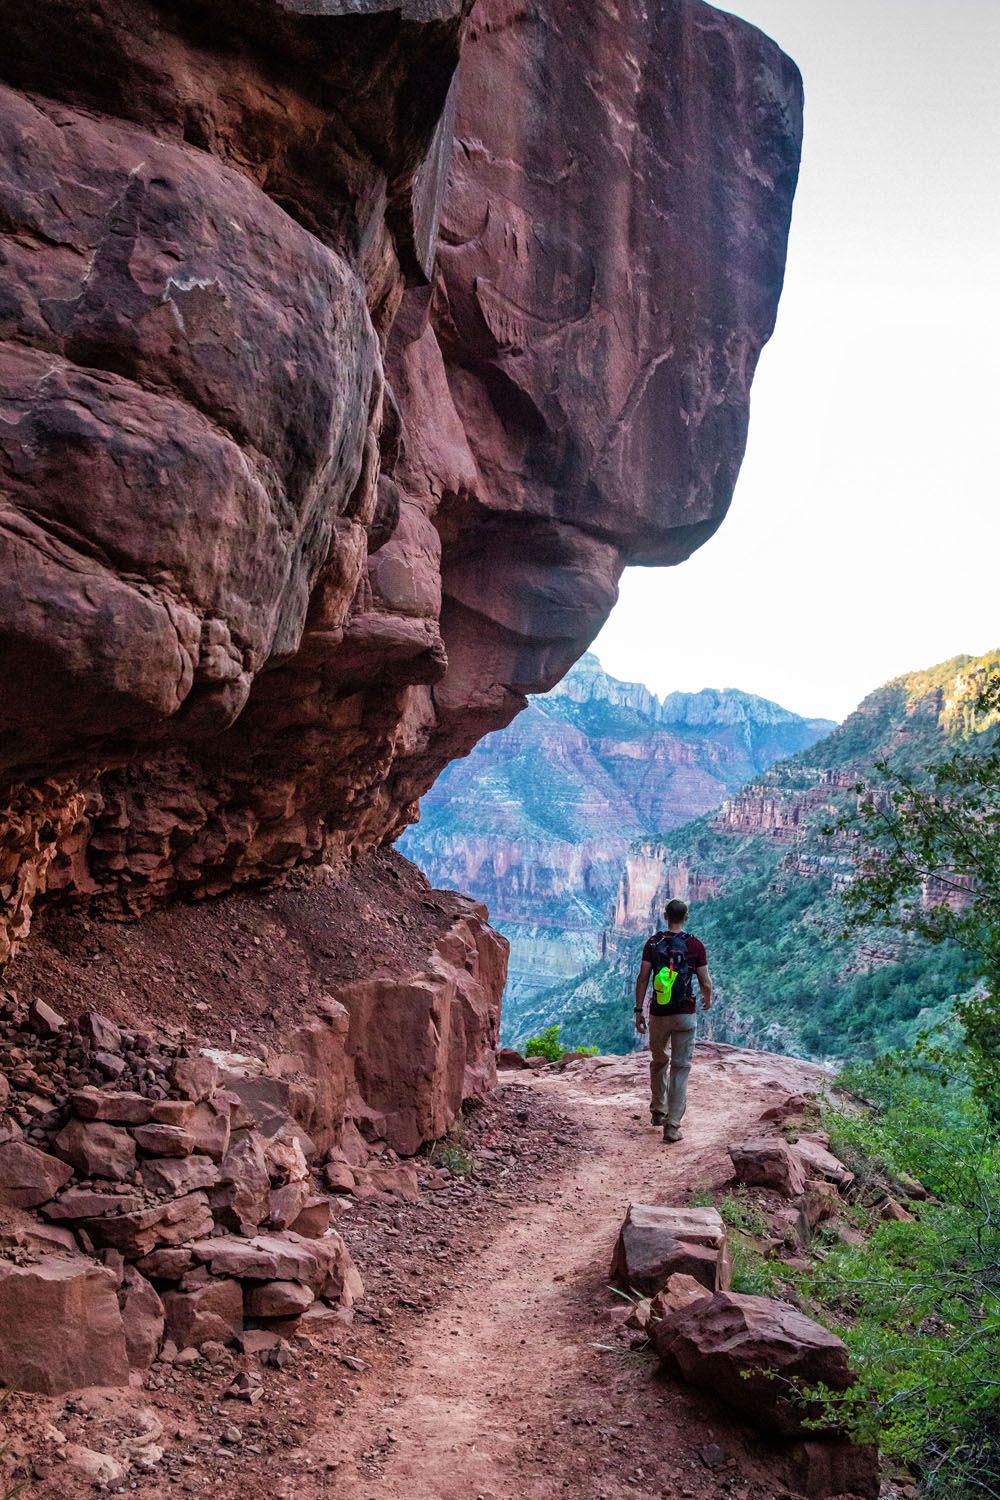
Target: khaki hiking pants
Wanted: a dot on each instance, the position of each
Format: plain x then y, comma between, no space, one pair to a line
674,1035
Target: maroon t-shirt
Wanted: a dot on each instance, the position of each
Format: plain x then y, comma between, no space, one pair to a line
697,956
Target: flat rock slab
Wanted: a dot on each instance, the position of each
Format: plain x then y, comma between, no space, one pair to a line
117,1109
165,1140
657,1242
86,1203
171,1223
322,1265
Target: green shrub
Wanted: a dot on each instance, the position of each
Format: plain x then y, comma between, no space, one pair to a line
752,1272
454,1157
548,1045
919,1304
739,1213
753,1275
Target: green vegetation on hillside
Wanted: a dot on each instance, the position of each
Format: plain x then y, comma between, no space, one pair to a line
933,868
787,977
918,1303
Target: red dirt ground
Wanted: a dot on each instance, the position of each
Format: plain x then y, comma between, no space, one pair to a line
473,1369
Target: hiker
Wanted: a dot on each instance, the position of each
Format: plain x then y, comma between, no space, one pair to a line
673,958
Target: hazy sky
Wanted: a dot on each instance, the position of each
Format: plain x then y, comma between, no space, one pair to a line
864,538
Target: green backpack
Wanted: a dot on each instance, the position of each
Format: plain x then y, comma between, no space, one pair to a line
673,990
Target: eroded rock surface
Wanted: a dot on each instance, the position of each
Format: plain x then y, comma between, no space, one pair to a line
759,1355
290,518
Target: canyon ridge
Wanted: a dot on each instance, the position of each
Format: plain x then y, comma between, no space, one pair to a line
538,821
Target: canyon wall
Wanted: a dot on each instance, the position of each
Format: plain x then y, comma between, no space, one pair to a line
537,822
339,383
349,349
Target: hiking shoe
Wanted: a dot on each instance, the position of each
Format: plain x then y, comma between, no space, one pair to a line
671,1134
657,1117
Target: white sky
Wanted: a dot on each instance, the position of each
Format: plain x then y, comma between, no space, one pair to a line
864,538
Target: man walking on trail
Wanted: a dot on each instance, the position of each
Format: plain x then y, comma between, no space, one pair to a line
674,959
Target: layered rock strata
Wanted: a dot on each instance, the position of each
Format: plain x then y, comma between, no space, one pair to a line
289,517
538,820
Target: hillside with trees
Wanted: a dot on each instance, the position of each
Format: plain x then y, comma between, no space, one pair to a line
766,874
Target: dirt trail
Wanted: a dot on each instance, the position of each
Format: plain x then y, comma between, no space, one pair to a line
504,1396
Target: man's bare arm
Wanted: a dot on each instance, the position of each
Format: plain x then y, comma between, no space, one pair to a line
641,985
705,981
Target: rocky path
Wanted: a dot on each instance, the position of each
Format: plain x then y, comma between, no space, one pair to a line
504,1395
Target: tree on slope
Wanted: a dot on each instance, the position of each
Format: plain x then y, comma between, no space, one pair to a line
931,864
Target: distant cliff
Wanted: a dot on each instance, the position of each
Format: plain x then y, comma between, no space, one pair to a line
537,822
763,877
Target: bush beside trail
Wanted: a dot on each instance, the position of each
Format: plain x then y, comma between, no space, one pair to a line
548,1045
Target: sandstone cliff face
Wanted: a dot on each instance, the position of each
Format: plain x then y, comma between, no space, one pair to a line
289,517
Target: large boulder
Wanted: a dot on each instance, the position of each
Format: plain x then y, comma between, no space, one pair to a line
770,1162
657,1242
96,1149
60,1326
410,1077
240,616
754,1353
119,1109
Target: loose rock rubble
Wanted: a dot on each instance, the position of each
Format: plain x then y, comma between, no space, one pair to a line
757,1354
226,1415
178,1195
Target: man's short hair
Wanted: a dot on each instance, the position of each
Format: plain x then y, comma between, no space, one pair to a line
676,911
